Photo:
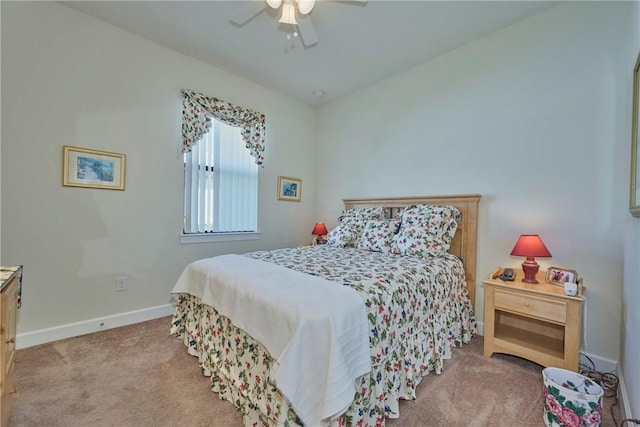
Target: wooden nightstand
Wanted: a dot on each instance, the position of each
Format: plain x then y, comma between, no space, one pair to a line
537,322
10,278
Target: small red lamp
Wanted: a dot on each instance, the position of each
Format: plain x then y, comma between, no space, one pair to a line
320,230
530,246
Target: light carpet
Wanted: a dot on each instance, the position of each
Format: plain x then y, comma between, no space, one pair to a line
139,376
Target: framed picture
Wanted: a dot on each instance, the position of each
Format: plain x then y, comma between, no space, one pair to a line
83,167
559,275
289,189
634,194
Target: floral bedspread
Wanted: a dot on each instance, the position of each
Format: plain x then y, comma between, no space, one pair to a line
417,308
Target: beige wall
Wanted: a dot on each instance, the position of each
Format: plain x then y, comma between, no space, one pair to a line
533,117
0,142
69,79
630,338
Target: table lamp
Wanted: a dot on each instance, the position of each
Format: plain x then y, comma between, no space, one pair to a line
320,230
530,246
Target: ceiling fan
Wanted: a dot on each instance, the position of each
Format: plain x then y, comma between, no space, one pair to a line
302,19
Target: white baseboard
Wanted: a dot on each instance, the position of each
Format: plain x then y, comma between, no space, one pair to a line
70,330
623,396
602,364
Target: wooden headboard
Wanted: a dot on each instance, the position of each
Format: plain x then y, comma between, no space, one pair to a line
465,242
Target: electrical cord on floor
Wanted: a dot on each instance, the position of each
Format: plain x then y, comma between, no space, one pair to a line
609,383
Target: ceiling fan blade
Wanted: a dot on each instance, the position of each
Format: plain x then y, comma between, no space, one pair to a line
307,31
248,12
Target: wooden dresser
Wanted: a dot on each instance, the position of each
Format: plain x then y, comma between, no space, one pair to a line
10,283
537,322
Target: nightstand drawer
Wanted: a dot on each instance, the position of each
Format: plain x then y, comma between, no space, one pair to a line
542,308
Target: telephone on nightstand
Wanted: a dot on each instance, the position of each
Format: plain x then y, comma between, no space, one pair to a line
508,275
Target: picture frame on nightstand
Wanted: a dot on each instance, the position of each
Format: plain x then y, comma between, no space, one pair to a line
558,276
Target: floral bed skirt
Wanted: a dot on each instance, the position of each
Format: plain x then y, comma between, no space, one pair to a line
240,367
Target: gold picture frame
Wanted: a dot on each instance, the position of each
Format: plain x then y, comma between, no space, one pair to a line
289,189
84,167
559,275
634,192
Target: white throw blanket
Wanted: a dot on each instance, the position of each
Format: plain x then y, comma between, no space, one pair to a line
316,330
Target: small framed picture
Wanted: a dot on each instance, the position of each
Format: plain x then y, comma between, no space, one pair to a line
558,276
289,189
83,167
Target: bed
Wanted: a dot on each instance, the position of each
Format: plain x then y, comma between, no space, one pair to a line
406,312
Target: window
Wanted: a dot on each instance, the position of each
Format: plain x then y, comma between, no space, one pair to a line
220,183
221,175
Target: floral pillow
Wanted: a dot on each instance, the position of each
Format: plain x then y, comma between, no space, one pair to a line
378,235
352,223
426,230
364,213
442,210
346,234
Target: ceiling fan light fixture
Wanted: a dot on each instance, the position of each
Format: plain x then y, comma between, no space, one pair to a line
274,3
305,6
288,14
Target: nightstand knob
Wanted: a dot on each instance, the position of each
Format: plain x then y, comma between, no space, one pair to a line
526,304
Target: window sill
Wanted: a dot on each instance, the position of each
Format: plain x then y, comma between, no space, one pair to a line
218,237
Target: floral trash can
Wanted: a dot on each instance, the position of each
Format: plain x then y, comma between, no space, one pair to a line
571,399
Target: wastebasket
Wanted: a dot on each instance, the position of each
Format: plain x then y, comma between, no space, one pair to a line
571,399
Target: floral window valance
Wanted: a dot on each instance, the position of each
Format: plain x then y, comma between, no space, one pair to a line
196,121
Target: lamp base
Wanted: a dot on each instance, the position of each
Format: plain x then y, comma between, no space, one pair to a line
321,240
530,268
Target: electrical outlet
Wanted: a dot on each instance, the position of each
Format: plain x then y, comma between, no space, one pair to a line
121,284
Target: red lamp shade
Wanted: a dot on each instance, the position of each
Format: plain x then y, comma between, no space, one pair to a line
530,246
319,230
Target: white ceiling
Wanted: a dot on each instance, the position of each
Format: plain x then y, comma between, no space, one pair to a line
359,43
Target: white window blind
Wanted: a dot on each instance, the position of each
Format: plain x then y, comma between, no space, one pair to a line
220,184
